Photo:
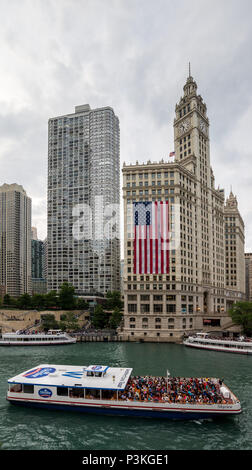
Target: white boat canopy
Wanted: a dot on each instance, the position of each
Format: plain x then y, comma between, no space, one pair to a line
96,377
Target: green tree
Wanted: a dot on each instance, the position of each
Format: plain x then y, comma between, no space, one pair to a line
99,318
51,299
241,314
49,322
113,300
115,318
8,300
68,321
24,301
38,301
82,304
66,296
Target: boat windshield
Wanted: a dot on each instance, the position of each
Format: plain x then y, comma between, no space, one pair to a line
91,373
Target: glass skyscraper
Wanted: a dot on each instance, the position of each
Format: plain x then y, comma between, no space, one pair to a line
83,247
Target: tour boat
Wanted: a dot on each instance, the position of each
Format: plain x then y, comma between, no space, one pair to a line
205,341
114,391
52,337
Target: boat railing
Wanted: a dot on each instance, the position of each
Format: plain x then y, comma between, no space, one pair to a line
169,399
218,339
29,333
166,398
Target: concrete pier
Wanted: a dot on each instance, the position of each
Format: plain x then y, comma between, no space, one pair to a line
98,337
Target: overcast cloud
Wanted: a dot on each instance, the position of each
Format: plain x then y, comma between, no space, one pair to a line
132,55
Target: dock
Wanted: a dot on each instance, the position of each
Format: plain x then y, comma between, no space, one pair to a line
98,336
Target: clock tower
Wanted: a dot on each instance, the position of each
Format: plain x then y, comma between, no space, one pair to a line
191,143
191,133
205,272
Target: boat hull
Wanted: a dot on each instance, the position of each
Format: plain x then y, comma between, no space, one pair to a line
178,414
211,348
47,343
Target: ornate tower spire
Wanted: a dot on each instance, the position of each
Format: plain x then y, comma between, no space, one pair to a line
191,131
190,86
231,201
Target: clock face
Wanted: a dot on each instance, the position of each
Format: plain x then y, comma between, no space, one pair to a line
184,126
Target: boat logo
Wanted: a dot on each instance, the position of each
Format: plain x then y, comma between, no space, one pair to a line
73,374
39,372
96,367
45,393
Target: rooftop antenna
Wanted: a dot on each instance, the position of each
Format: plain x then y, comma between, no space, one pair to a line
189,69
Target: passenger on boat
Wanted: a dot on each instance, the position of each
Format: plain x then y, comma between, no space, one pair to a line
173,390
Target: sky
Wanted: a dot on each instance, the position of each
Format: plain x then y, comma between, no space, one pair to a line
131,55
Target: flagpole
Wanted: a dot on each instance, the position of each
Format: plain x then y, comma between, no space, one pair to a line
167,375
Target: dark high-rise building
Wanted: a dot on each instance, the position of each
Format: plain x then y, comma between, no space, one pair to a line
37,250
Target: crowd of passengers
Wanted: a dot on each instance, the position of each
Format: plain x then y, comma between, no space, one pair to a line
174,390
241,338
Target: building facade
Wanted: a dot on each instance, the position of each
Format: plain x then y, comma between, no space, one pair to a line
38,262
37,250
34,233
234,247
83,190
2,292
15,240
248,276
190,293
39,286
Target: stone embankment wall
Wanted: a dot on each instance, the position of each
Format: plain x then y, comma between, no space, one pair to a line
13,320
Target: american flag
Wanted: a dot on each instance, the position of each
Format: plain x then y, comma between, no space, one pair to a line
151,243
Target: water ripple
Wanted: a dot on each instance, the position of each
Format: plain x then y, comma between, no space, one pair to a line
22,428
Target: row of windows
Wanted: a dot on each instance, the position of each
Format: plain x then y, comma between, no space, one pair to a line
76,392
184,110
159,320
159,308
154,183
153,191
147,175
146,297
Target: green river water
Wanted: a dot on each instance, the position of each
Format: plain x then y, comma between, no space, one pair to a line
31,429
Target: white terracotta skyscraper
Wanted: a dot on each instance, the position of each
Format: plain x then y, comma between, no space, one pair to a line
189,291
